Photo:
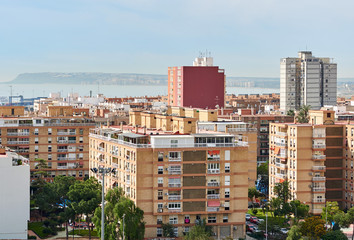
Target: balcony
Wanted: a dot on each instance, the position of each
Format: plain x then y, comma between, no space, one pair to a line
101,149
318,146
282,155
177,159
281,144
319,200
284,134
18,134
174,197
281,165
281,175
319,179
213,196
175,210
174,185
62,167
319,157
318,189
214,158
62,150
214,171
18,142
319,135
172,171
318,168
213,209
213,184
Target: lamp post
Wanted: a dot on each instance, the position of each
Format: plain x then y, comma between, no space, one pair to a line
103,171
123,225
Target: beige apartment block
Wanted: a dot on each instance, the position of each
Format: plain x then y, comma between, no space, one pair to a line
61,141
311,157
177,178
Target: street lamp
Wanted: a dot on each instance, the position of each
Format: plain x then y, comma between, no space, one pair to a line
103,171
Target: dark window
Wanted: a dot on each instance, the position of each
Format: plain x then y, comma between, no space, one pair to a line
328,115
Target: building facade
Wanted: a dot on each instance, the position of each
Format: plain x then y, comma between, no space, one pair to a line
316,159
307,80
61,140
199,86
15,195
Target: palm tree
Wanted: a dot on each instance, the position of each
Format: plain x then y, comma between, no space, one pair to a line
290,113
303,115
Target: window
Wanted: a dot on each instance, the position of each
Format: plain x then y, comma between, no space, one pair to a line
160,182
36,148
49,131
49,156
49,148
225,218
81,131
49,140
174,143
227,167
174,205
212,219
175,230
160,157
36,131
174,182
159,194
38,121
36,140
159,169
81,139
173,220
159,232
227,192
174,156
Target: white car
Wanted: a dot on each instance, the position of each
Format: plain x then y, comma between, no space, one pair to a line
248,216
284,230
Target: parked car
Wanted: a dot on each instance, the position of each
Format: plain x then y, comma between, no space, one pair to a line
254,220
251,228
248,216
284,230
260,220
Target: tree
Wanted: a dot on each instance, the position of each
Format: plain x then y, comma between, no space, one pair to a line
132,216
313,227
200,231
60,187
345,219
330,210
273,225
281,190
335,235
299,209
168,230
303,115
85,196
294,233
40,164
112,222
253,193
290,113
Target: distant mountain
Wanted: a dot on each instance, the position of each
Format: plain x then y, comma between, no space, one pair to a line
137,79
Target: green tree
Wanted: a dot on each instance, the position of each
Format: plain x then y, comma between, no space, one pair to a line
40,165
345,219
299,209
335,235
330,210
303,115
112,221
60,187
134,226
85,196
313,227
168,230
294,233
253,193
290,113
200,231
281,190
273,225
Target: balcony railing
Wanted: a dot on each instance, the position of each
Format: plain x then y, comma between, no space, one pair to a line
101,149
281,133
18,142
280,165
62,167
319,200
318,146
62,150
213,171
319,179
174,171
174,210
231,130
281,144
318,168
319,135
18,134
213,184
282,155
214,158
177,159
318,157
281,175
213,196
213,209
174,197
171,185
318,189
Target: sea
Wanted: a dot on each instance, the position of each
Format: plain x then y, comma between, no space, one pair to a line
43,90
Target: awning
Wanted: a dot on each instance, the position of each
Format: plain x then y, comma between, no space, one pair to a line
214,152
277,150
213,203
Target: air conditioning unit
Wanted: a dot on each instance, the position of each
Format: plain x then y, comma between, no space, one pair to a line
166,194
160,210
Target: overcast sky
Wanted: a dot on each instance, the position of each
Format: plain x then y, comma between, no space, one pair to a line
245,37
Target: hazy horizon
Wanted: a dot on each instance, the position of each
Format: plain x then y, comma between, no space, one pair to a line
246,38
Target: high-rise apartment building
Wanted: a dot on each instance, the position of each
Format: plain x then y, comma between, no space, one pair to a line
61,138
199,86
316,158
174,174
307,80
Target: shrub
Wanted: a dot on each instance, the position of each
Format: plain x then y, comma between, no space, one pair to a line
254,211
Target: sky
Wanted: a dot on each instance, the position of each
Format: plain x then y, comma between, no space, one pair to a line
247,38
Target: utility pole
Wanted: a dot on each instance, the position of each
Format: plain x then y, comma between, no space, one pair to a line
103,172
